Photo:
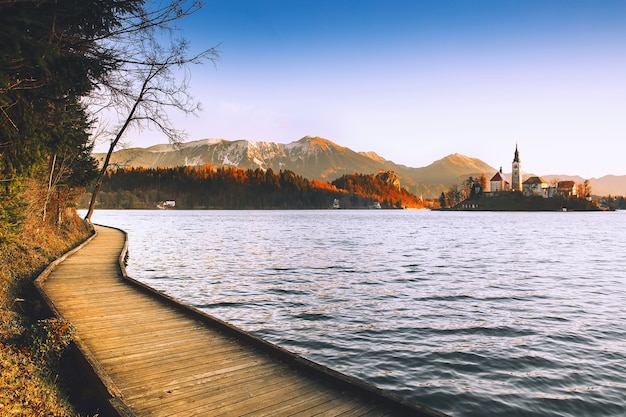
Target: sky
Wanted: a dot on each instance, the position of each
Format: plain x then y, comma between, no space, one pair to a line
415,81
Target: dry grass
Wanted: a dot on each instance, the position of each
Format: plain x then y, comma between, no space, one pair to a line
26,389
30,346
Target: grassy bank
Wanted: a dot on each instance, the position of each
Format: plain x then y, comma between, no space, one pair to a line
31,343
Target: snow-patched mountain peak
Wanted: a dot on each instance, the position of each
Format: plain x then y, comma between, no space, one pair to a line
373,155
208,141
169,147
312,157
310,146
318,158
246,153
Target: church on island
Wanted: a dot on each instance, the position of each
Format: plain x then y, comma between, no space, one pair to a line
533,186
504,193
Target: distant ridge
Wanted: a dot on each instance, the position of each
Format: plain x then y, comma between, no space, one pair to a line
319,158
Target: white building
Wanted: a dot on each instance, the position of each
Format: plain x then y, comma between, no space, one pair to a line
499,183
533,186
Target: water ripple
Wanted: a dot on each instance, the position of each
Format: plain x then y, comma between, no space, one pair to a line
515,314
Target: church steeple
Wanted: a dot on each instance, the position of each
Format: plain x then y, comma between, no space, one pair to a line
516,177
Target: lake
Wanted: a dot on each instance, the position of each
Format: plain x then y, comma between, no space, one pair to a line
470,313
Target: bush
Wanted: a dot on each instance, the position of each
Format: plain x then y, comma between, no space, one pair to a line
49,337
30,346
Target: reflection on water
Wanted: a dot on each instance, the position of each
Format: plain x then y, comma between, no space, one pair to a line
470,313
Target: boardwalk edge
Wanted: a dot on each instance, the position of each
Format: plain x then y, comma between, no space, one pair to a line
338,379
106,389
114,399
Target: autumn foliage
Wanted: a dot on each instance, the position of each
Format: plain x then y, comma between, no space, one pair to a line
206,187
383,187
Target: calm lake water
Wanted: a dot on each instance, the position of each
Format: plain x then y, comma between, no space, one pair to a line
473,314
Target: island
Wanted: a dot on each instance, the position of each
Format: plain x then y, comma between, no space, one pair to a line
533,194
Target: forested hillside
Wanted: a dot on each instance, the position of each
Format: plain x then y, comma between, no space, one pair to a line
312,157
231,188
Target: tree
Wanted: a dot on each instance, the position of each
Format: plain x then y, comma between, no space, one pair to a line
147,83
583,190
554,182
580,190
49,59
468,188
442,200
51,56
454,195
587,189
483,182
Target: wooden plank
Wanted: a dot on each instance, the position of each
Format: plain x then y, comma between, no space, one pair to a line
145,360
114,322
225,369
337,406
206,395
252,401
296,405
202,378
166,363
114,339
136,327
201,382
231,398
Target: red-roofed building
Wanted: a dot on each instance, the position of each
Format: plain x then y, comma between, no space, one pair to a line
566,189
499,183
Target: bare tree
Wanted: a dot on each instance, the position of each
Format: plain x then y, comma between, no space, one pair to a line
454,195
150,79
555,181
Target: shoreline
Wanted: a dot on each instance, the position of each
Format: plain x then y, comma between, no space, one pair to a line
34,344
518,202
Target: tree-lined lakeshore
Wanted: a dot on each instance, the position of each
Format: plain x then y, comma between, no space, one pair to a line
206,187
64,63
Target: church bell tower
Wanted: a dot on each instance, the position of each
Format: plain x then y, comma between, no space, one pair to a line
516,180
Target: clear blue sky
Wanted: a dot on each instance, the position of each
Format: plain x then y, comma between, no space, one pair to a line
417,80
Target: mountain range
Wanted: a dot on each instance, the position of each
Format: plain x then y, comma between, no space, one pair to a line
318,158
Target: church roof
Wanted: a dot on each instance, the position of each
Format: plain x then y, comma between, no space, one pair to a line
516,156
566,185
499,177
535,180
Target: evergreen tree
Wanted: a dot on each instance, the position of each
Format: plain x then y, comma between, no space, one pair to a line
50,57
443,200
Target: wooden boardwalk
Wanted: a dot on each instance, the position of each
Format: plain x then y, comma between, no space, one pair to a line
158,359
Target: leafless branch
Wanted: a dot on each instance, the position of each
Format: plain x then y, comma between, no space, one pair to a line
150,79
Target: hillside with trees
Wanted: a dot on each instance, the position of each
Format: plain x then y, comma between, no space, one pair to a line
206,187
312,157
383,187
63,63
